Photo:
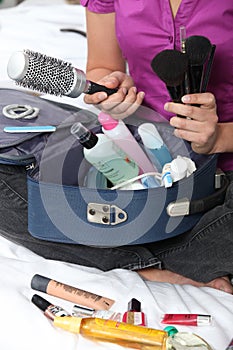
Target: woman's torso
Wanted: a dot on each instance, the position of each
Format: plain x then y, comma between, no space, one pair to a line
146,27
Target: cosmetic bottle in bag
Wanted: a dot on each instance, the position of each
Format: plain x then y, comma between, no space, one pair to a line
121,135
105,155
154,145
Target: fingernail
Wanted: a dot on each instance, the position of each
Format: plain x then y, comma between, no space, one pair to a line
166,106
124,89
185,98
141,94
102,95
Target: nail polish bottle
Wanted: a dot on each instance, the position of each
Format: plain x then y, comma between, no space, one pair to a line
134,315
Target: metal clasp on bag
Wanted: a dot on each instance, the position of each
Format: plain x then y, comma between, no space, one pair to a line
178,208
105,214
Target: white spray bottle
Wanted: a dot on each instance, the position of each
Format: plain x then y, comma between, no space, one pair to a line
105,155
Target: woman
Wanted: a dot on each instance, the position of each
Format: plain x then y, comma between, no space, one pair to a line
202,256
134,32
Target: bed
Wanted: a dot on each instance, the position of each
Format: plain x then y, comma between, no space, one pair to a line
35,25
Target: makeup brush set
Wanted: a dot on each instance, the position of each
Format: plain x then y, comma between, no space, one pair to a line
187,71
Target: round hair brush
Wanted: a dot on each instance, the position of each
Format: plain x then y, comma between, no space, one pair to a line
50,75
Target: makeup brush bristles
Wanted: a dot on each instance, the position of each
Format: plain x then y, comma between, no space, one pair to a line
170,66
198,49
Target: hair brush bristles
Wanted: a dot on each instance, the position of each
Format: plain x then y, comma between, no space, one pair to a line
170,66
51,75
51,68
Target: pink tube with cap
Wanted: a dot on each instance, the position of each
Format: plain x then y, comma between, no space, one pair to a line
121,135
187,319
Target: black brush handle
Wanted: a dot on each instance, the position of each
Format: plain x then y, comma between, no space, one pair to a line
94,87
176,92
195,78
208,69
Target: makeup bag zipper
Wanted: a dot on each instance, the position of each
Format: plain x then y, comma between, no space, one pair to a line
27,161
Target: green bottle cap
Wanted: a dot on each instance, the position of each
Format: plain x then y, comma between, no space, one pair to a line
171,330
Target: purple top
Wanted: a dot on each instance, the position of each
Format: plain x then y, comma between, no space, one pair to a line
144,28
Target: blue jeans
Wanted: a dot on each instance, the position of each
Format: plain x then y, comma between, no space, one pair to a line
202,254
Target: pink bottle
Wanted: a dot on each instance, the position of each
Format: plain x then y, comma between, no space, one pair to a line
121,135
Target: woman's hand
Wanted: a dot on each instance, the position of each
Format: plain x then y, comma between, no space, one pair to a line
201,125
121,104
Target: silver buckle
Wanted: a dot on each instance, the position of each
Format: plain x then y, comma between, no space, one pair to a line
178,208
105,214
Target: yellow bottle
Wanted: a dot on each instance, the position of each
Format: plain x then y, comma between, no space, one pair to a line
128,335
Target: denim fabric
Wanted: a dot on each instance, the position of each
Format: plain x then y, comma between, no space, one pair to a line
202,254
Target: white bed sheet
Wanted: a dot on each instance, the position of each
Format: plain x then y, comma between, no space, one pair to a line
35,24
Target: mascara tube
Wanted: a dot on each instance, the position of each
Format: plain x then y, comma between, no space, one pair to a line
50,311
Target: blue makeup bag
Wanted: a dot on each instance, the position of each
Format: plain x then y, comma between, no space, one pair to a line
62,209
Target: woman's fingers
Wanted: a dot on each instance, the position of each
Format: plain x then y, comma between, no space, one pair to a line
199,125
126,107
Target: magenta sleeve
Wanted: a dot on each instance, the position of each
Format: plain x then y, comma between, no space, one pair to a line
99,6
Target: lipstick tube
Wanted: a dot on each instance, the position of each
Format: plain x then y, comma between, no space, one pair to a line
134,315
187,319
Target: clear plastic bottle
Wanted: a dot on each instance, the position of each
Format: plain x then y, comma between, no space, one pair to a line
105,155
128,335
119,132
184,340
154,145
121,333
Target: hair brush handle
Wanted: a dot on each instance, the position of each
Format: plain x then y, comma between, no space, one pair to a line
94,87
